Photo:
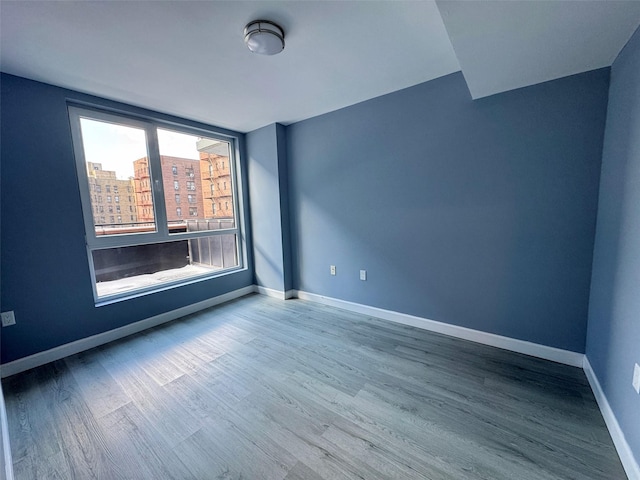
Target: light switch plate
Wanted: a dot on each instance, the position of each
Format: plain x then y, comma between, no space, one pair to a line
363,275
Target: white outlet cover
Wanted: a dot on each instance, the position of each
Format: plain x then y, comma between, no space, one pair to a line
363,274
332,269
8,318
636,378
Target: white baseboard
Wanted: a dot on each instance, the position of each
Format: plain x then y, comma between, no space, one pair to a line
617,435
270,292
566,357
6,461
42,358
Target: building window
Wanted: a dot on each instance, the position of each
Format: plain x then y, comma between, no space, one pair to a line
213,207
155,242
108,188
100,209
189,172
117,198
226,205
174,169
115,189
177,198
98,188
223,165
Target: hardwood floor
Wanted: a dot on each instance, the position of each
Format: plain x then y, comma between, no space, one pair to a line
265,389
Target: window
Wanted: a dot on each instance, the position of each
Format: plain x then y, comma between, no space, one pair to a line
159,248
108,188
98,188
174,170
101,209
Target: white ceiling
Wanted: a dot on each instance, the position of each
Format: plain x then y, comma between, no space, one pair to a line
502,45
187,58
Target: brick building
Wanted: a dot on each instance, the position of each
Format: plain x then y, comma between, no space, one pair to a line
113,200
182,185
216,178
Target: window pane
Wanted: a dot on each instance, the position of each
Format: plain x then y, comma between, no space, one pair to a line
127,269
117,164
199,169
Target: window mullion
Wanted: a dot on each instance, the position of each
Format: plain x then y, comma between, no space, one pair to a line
155,165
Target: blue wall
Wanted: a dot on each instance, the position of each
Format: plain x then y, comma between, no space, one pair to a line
613,338
475,213
267,170
45,270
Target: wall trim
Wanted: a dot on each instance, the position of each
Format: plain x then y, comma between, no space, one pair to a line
558,355
270,292
62,351
617,435
7,461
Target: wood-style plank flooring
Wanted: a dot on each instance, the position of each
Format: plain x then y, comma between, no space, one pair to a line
266,389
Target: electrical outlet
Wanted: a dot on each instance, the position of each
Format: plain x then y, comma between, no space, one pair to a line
636,378
333,269
363,275
8,318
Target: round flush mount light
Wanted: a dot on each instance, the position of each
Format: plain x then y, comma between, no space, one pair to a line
264,37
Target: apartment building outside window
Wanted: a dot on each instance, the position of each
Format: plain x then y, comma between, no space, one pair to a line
159,247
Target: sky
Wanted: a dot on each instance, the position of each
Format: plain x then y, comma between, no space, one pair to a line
117,146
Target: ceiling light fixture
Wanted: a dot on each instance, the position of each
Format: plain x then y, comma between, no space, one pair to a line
264,37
